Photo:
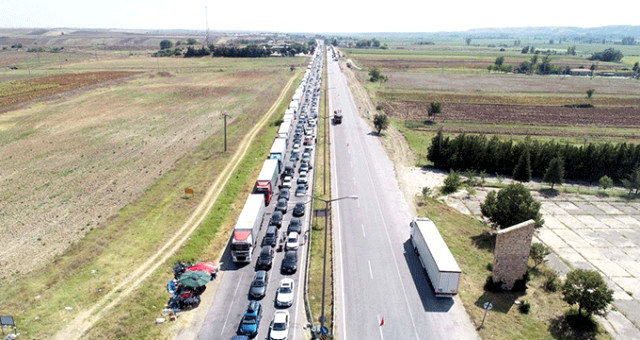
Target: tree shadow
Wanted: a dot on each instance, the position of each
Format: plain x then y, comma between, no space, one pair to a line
374,133
502,301
485,241
573,326
549,193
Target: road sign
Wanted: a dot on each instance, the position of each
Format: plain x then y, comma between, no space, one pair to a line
322,319
488,305
324,330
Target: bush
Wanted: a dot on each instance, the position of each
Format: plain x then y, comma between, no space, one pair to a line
551,282
524,307
605,182
426,191
452,183
538,252
579,106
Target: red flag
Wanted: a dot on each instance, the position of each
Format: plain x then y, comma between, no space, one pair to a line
382,322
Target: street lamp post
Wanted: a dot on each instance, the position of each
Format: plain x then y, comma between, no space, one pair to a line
322,318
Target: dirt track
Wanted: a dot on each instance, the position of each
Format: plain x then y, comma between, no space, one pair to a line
86,319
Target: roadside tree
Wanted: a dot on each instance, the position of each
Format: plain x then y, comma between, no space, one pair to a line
587,289
510,206
522,171
590,93
555,172
632,182
605,182
434,108
381,122
166,44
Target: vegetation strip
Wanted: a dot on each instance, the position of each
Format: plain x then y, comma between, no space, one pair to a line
86,319
317,236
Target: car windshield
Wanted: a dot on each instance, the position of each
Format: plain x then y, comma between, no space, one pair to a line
249,319
293,239
258,283
285,290
280,326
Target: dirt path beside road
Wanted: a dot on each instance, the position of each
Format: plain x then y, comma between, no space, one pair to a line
86,319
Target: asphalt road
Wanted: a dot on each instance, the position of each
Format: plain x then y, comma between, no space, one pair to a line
378,274
223,317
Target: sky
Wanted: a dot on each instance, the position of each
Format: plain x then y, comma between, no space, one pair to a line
313,15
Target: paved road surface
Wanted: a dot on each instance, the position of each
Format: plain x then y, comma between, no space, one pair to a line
378,274
231,298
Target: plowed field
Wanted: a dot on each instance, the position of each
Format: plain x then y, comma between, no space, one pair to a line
17,92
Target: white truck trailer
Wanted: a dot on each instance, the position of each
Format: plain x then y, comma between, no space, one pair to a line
245,233
436,259
285,129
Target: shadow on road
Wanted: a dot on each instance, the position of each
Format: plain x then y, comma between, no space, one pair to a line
430,302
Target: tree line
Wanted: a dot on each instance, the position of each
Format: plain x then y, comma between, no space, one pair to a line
588,162
249,51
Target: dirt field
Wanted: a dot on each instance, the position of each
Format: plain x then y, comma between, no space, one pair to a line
521,114
71,163
18,92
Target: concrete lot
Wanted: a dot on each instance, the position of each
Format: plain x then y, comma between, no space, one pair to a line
589,232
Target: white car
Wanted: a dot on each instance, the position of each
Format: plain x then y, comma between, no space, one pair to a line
279,328
286,182
292,241
284,295
296,147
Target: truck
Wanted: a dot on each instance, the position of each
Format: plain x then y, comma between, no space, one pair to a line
337,116
285,128
294,104
291,112
267,179
436,259
245,232
288,117
278,151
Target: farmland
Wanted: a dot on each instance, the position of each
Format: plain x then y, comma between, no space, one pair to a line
476,101
96,153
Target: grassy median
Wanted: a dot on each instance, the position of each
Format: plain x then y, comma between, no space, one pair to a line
322,169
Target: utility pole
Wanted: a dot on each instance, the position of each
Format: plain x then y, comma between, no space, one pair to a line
225,115
206,18
325,84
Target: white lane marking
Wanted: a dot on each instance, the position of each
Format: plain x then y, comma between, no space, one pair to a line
363,234
358,203
360,144
370,271
380,327
226,319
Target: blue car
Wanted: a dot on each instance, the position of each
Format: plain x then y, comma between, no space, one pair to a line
251,319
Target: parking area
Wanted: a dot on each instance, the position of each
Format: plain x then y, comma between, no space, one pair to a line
589,232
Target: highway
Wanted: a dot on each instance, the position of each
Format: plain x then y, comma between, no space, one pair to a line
378,275
224,313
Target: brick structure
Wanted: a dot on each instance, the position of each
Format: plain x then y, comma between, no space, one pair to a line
511,253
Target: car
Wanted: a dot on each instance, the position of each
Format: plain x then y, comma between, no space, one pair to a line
298,209
271,237
292,240
284,294
284,194
295,225
282,205
296,147
306,156
304,166
308,132
251,319
294,156
308,140
276,218
302,178
259,285
286,182
301,190
279,328
297,139
265,258
308,148
240,337
290,262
